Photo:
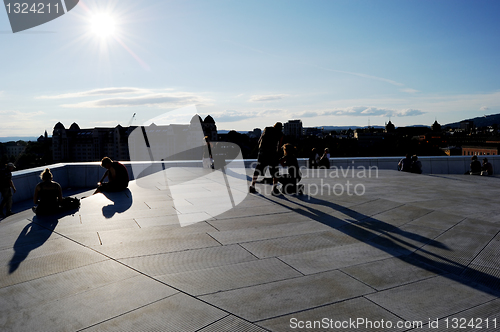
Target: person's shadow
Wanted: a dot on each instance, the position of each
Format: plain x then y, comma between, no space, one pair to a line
121,202
34,235
393,240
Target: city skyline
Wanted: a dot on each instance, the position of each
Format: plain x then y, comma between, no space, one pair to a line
250,64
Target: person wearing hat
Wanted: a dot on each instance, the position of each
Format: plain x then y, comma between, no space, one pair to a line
5,185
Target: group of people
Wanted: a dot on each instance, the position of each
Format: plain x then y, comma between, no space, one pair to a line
476,168
272,152
410,164
48,198
315,161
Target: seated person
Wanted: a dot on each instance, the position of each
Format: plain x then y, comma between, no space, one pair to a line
486,168
404,164
290,181
475,166
117,174
416,165
48,195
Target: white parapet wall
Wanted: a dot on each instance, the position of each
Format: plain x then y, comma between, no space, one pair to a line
86,175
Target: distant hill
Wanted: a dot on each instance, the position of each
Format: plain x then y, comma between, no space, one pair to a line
15,139
481,121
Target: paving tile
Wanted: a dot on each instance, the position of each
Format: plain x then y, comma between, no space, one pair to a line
485,317
391,272
175,313
431,298
372,208
357,314
149,246
439,220
456,249
334,258
96,305
28,263
256,221
229,277
402,215
232,324
268,232
265,301
297,244
189,260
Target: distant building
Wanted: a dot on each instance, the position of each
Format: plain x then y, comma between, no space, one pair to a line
293,128
436,126
484,150
452,150
14,149
467,125
312,131
256,133
389,127
75,144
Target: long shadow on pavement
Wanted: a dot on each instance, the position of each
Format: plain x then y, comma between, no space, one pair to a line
368,230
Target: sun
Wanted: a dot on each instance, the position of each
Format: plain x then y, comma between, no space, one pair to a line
103,25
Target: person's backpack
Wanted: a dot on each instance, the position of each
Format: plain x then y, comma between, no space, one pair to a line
70,203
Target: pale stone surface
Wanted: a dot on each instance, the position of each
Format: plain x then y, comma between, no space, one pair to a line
154,258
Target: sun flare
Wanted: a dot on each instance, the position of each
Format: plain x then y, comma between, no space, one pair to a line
103,25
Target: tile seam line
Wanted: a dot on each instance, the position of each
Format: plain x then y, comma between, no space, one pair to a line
150,277
218,320
125,313
308,309
480,251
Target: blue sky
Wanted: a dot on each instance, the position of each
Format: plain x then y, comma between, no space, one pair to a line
252,63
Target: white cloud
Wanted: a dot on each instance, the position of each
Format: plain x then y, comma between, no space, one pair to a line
258,98
97,92
174,99
16,123
362,111
409,90
484,108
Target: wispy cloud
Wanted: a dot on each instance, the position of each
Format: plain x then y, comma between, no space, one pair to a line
258,98
409,90
174,99
16,123
97,92
362,111
484,108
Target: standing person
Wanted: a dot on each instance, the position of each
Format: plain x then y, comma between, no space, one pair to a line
269,145
208,161
324,162
475,166
5,189
117,175
404,164
48,195
290,181
314,158
486,168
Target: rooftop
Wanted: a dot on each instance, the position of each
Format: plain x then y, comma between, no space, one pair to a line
392,247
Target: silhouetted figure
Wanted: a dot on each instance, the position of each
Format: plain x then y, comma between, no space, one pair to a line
324,161
416,165
290,181
269,146
48,195
404,164
486,167
314,158
6,185
116,173
475,166
208,161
